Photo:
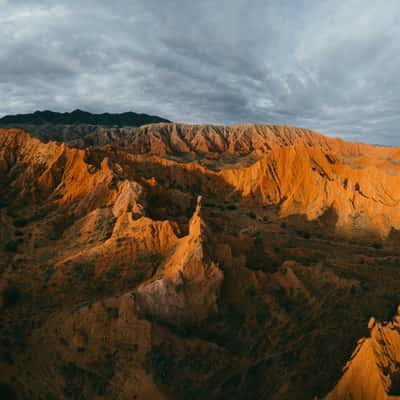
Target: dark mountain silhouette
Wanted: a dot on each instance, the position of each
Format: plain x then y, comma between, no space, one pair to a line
79,117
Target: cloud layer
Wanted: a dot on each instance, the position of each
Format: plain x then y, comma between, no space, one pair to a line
330,66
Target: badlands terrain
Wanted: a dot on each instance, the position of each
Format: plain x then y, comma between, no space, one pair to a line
171,261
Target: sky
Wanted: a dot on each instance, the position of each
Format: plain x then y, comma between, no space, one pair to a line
332,66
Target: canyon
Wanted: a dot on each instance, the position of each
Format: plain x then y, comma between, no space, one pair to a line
174,261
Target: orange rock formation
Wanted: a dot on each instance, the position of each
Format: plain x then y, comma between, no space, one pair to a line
186,261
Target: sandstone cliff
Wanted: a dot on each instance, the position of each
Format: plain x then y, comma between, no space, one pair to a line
373,371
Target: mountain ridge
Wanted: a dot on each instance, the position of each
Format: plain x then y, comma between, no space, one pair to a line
78,116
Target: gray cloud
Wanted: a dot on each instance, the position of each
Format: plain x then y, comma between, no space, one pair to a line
329,66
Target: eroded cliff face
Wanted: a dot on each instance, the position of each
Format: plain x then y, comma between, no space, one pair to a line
373,371
176,261
301,171
306,180
186,288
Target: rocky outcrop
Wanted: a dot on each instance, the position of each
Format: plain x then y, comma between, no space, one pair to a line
185,290
129,199
373,372
306,180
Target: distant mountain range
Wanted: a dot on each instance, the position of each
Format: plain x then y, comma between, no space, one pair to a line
79,117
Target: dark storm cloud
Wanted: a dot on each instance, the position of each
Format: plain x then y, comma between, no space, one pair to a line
325,65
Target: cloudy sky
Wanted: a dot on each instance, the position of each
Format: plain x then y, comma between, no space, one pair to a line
328,65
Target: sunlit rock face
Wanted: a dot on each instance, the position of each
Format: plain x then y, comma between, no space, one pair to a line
373,372
185,292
